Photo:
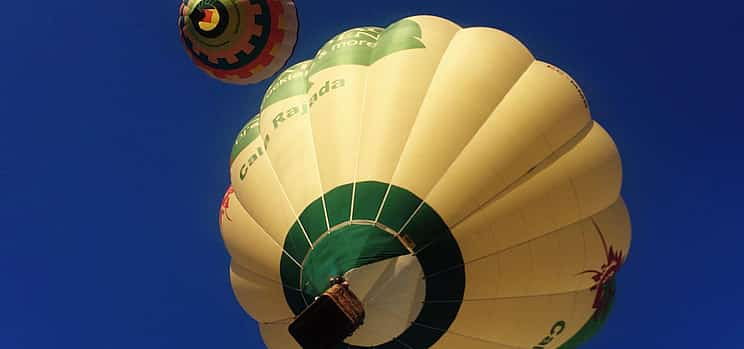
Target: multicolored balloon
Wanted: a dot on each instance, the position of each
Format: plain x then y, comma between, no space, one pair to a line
458,184
238,41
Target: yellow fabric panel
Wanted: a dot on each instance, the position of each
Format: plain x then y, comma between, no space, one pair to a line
551,263
456,341
248,244
609,229
523,322
396,86
259,191
276,336
583,310
288,138
542,111
478,68
335,119
249,287
581,180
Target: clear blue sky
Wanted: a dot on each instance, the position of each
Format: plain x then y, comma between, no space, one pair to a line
114,153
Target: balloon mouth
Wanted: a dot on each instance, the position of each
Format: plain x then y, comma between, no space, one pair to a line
416,274
209,18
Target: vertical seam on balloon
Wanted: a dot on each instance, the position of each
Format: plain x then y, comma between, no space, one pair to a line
585,263
445,270
317,163
259,224
475,134
325,209
402,343
576,195
421,103
362,113
548,160
278,322
291,207
574,315
315,151
533,275
284,192
409,219
482,340
574,311
536,295
258,275
499,274
353,197
273,240
429,327
507,249
382,203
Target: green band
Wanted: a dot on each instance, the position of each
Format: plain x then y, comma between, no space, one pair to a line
355,240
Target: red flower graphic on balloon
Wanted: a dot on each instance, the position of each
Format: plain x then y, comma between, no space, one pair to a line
225,205
604,275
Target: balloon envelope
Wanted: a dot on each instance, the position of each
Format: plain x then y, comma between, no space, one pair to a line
458,184
238,41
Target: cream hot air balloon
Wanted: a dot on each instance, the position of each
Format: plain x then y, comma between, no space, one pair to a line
456,183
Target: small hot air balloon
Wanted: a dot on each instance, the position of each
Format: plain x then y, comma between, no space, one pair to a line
238,41
455,184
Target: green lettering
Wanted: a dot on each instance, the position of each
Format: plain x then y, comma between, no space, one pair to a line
325,89
292,82
278,118
243,172
252,160
546,340
338,84
292,112
558,328
249,133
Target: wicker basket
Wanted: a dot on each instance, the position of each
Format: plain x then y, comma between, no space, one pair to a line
330,319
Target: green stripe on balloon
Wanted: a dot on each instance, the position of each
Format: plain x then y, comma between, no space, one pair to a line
367,199
313,219
248,134
338,204
399,207
358,46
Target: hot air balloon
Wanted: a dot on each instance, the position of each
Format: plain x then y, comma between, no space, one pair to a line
238,41
457,186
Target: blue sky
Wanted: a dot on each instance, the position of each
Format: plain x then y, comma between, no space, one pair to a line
114,153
